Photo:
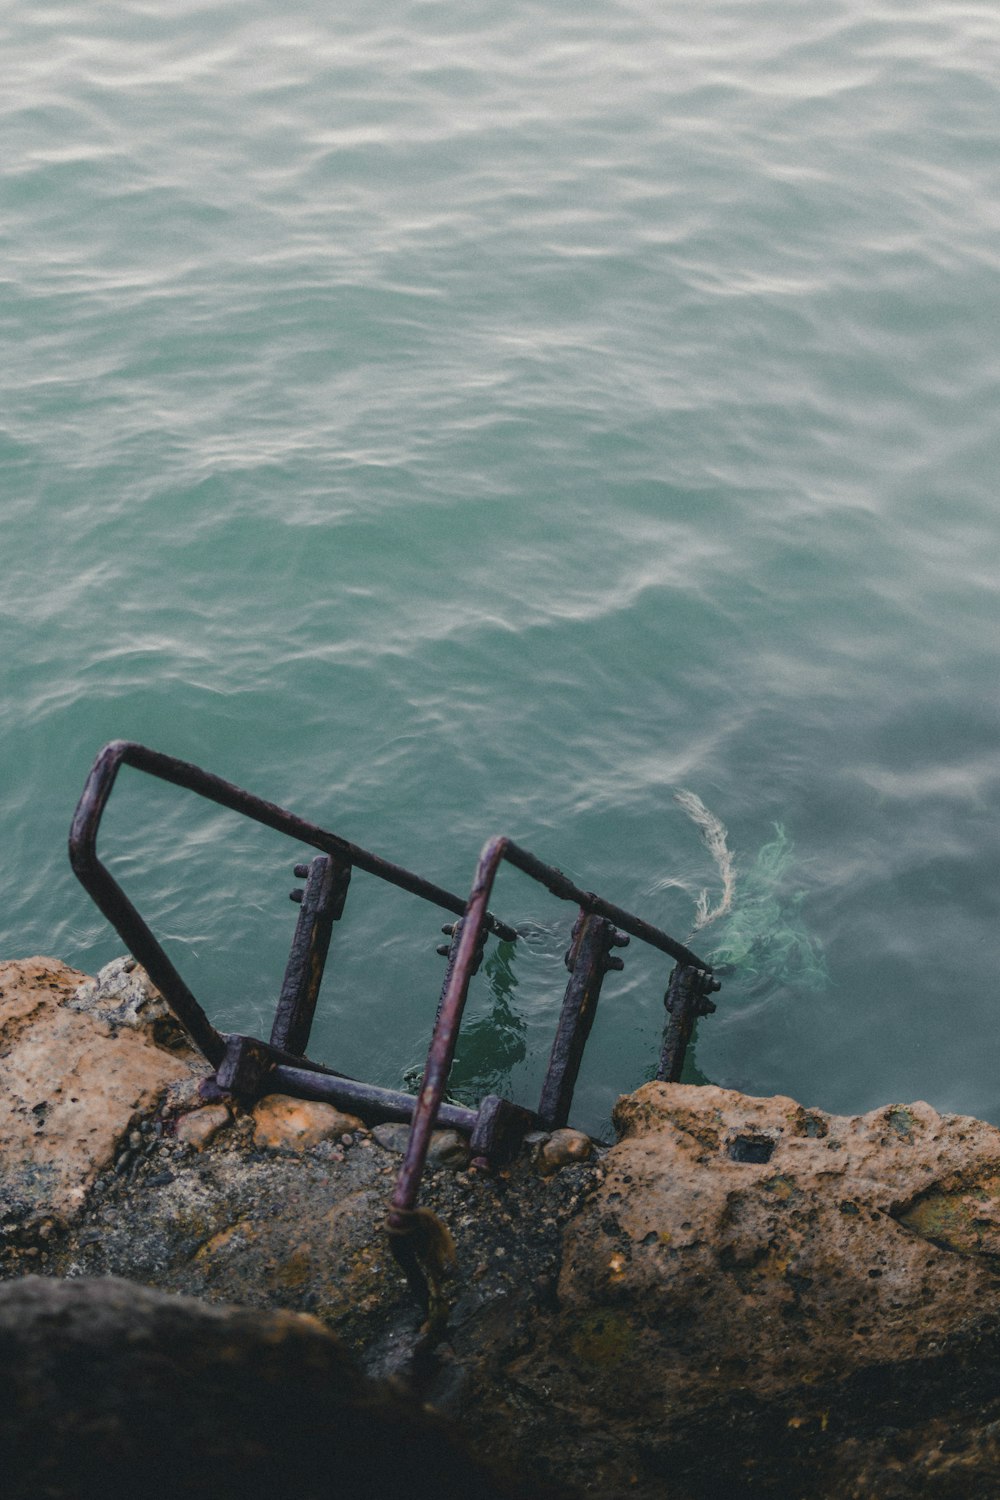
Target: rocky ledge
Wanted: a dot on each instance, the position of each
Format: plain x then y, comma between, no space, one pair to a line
742,1297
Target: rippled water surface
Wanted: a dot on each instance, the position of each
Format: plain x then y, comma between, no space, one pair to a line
450,419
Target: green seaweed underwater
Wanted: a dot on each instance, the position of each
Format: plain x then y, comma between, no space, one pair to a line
491,1044
757,939
764,935
760,933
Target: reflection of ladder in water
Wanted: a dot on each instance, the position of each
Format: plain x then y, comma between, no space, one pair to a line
247,1067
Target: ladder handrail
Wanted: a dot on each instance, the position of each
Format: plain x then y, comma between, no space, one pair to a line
109,897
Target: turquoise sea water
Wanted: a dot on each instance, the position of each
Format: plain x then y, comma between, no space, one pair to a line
450,419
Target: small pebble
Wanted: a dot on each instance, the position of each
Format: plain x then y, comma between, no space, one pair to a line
392,1137
159,1179
562,1148
448,1149
200,1126
346,1139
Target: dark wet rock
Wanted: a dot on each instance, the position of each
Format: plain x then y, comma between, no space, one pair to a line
110,1390
446,1149
391,1136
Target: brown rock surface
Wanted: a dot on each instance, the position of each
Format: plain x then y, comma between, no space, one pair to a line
779,1244
199,1127
562,1147
742,1297
753,1281
73,1081
285,1124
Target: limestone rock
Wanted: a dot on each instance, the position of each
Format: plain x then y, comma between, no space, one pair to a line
72,1085
282,1123
742,1298
755,1268
200,1126
124,995
562,1147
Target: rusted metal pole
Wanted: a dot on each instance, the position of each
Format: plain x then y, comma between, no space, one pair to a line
361,1098
322,903
444,1039
192,778
686,999
442,1048
588,960
555,881
109,897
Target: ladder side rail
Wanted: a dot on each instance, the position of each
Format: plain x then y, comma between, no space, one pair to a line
446,1028
127,921
214,788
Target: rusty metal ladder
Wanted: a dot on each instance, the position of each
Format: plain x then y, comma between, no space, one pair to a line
247,1067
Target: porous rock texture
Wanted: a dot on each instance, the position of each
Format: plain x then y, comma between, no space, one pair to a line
741,1297
76,1070
766,1299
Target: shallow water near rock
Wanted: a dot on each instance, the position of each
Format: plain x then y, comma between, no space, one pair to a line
456,420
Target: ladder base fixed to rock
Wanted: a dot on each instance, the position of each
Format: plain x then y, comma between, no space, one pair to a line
247,1067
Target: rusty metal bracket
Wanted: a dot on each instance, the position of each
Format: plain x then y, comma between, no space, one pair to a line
589,958
686,999
322,904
